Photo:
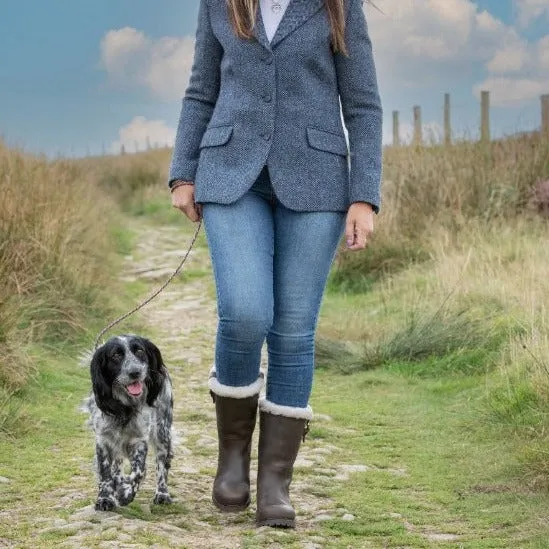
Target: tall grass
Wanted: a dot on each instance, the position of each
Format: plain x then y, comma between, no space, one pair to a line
133,181
428,188
54,245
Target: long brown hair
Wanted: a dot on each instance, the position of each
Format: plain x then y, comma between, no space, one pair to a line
243,19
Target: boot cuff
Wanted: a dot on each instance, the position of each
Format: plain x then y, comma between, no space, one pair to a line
286,411
234,392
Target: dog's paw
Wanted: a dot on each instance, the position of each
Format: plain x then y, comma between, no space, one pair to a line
125,494
120,480
105,504
162,498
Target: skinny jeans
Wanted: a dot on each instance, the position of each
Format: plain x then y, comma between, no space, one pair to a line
270,266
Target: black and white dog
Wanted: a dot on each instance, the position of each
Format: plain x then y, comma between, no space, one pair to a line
131,405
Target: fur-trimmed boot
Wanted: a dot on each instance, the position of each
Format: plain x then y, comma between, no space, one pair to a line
281,430
236,411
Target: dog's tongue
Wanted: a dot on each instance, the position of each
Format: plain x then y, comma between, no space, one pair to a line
135,389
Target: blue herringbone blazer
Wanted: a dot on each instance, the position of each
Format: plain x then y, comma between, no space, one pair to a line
251,103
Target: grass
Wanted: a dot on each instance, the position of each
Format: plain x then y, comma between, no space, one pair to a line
137,183
446,342
450,377
432,194
437,469
52,265
52,415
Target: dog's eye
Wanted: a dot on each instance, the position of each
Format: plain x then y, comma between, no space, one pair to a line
140,353
117,357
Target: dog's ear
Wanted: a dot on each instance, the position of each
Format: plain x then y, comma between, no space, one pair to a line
157,371
102,384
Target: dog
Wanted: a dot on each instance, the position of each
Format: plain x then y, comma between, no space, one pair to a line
131,405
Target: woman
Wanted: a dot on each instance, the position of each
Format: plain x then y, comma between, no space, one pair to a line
261,154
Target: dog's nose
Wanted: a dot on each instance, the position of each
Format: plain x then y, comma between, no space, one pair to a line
134,374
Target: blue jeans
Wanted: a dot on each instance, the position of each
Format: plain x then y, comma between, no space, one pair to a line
270,266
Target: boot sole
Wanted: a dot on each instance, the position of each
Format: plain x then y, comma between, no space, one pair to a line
231,508
276,523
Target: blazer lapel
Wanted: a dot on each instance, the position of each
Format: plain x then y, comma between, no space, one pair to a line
297,12
259,31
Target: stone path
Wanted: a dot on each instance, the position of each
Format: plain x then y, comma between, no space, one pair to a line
182,321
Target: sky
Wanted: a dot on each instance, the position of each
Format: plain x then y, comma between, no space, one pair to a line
79,78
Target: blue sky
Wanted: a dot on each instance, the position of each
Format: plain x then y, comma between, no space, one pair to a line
79,77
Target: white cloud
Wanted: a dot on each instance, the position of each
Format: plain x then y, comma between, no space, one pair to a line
162,66
118,47
529,10
543,54
427,43
510,59
517,75
512,92
417,43
141,133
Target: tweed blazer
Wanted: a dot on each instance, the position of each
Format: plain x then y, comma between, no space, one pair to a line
254,102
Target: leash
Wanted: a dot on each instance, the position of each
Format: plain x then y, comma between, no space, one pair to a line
153,295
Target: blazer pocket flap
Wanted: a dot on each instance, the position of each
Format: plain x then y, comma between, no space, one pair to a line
327,141
217,135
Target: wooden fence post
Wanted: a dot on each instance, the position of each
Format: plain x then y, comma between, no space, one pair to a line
485,116
545,115
418,133
396,130
447,120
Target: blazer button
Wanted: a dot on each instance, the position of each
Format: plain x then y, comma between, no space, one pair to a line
267,98
268,60
267,136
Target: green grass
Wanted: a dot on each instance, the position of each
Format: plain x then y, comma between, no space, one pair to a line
358,272
42,458
156,207
123,240
459,476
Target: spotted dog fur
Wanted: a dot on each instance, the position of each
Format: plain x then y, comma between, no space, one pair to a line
131,405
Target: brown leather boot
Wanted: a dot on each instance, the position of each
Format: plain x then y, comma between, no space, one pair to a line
279,441
236,418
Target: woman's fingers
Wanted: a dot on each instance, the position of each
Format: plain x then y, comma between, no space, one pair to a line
350,234
359,226
183,199
191,213
359,239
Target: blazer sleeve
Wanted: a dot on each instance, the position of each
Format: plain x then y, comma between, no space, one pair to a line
199,100
361,106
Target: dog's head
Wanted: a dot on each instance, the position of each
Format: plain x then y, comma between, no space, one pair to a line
126,372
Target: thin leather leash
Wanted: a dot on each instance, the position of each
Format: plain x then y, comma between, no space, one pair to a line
154,294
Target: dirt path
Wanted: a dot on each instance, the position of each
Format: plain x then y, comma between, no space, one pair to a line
183,319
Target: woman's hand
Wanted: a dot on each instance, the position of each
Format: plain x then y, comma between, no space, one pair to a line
359,225
183,199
